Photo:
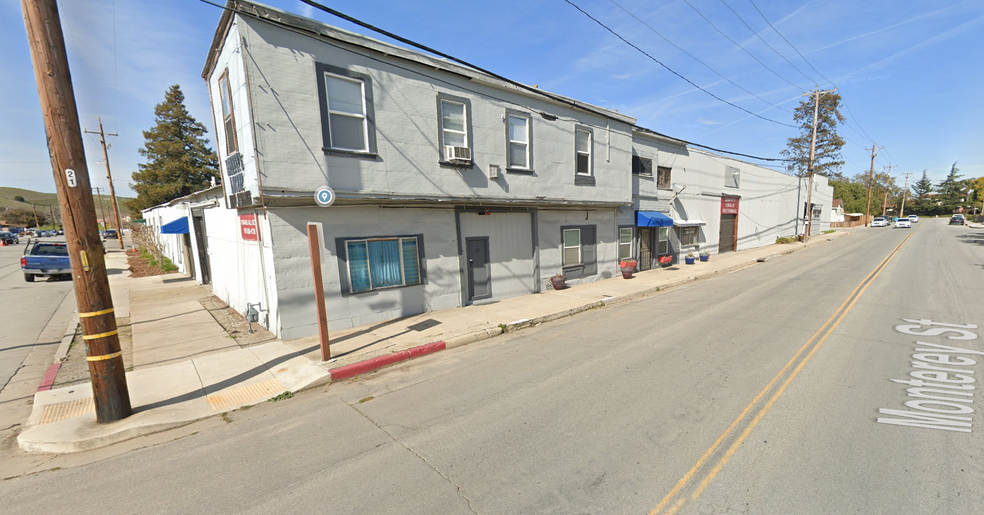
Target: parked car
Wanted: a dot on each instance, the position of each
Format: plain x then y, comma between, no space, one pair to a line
9,238
903,223
45,259
913,218
879,221
110,234
957,219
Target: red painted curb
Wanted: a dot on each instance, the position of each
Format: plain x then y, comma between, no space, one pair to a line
376,363
424,350
49,377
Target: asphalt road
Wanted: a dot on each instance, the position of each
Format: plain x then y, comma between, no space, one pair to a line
755,392
25,309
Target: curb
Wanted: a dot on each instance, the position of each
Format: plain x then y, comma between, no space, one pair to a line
49,377
369,365
66,342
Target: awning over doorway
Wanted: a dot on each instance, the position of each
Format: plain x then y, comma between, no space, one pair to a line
688,223
652,219
179,226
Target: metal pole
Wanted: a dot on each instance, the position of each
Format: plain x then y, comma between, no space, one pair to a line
61,122
319,289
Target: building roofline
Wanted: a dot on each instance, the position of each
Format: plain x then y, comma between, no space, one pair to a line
320,30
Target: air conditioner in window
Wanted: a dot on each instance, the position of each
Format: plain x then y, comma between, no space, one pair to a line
457,154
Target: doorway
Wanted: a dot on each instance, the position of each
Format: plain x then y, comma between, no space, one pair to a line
479,276
201,238
729,233
645,248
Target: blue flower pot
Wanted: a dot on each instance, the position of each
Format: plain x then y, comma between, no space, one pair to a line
705,258
690,260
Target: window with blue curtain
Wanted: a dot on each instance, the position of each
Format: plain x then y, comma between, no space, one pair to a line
383,263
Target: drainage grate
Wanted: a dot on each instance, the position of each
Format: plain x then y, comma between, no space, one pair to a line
244,394
66,410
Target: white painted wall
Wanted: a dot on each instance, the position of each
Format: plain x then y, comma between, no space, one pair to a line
173,246
549,223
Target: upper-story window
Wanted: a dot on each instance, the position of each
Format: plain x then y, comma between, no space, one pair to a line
732,177
454,129
228,117
642,166
663,177
347,120
518,138
582,151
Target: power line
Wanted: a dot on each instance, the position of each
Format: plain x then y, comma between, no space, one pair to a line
753,31
657,61
789,43
738,45
696,59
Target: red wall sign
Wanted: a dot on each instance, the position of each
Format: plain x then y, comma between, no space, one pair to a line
247,224
729,205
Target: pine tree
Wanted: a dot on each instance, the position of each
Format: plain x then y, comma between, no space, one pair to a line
179,160
922,199
952,191
827,159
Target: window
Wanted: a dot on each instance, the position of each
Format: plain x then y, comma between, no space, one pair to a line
688,235
663,179
572,247
228,118
582,150
663,241
642,166
382,263
347,117
518,141
625,243
453,125
578,250
731,177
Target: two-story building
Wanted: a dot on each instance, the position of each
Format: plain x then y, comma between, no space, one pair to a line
451,186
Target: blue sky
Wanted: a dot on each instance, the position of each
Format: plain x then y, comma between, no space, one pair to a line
909,71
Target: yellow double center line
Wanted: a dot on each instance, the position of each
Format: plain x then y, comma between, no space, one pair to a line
693,483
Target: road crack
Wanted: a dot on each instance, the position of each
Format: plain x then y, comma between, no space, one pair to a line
457,487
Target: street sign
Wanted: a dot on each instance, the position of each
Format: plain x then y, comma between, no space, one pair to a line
325,196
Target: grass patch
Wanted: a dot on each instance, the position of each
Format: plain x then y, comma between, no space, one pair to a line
786,239
226,419
828,231
284,396
366,399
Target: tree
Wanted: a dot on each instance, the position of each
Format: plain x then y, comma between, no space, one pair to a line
827,159
853,195
19,198
179,160
922,196
952,191
24,217
977,192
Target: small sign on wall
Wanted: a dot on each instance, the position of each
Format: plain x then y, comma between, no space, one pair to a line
248,227
729,205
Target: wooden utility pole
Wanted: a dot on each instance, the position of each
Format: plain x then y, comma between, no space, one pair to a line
52,211
102,209
37,223
809,169
92,295
871,181
314,246
885,202
904,191
109,177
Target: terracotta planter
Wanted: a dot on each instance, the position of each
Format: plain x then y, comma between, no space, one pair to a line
558,283
627,272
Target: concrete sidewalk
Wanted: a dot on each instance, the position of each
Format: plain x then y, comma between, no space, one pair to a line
186,367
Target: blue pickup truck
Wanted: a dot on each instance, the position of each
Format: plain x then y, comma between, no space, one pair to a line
45,259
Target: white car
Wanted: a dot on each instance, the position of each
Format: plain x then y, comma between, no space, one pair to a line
879,221
903,223
913,218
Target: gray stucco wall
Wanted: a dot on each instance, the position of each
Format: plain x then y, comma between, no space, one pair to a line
289,130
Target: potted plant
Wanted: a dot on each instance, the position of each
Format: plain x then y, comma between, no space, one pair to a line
628,266
558,281
705,255
665,260
690,258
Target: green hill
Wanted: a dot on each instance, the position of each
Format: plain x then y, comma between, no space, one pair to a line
43,200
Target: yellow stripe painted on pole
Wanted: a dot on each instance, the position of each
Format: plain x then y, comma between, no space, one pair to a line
95,313
100,335
104,356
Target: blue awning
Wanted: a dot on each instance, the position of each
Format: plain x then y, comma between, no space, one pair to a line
652,219
179,226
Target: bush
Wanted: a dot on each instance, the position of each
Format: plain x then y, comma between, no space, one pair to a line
786,239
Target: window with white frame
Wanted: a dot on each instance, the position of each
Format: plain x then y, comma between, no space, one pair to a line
582,151
228,117
454,123
663,241
347,120
572,247
377,263
688,235
625,243
518,141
